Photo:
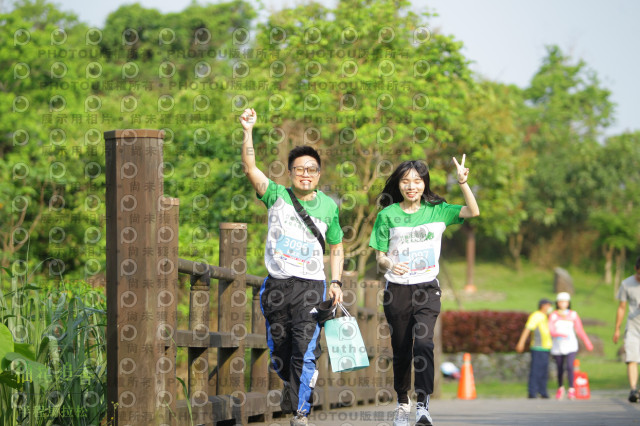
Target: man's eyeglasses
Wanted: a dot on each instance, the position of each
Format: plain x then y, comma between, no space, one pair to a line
311,171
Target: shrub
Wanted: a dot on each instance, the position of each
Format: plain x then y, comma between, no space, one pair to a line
481,331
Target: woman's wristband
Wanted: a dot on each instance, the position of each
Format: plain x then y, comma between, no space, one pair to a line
462,183
337,282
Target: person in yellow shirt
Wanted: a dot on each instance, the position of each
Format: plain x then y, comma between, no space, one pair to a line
538,326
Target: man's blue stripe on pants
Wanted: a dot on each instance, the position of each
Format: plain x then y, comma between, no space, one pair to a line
308,369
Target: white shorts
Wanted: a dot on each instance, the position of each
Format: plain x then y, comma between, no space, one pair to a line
632,347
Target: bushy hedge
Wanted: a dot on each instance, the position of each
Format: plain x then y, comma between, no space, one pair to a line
481,331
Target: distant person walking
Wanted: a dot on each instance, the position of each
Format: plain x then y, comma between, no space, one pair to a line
629,293
564,325
407,236
538,327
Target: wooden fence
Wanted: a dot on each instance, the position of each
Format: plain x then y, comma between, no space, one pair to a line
229,374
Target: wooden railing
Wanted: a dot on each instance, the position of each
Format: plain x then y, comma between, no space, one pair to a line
142,327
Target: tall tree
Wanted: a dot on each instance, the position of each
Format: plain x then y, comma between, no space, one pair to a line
38,169
65,84
493,138
617,219
569,110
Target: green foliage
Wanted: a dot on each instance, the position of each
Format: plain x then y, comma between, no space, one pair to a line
43,172
617,218
367,83
499,162
52,354
69,83
569,110
616,230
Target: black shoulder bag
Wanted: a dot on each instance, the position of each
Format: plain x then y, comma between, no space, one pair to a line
306,219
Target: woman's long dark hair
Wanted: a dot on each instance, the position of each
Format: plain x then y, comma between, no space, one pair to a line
391,193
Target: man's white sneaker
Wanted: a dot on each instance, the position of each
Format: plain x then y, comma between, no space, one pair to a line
299,420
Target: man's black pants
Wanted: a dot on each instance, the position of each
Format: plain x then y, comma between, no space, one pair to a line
293,333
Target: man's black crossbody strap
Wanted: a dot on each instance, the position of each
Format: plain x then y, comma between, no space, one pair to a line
306,219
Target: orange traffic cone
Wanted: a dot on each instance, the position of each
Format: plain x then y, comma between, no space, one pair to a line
466,386
580,382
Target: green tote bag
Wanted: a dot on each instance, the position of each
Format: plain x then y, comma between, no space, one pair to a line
344,344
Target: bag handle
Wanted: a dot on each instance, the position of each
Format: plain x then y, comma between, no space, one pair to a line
344,310
306,219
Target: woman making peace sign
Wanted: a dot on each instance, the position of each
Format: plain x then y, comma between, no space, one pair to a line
407,238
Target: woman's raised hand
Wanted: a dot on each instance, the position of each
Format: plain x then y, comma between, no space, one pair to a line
463,173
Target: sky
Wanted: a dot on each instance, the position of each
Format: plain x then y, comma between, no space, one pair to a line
506,39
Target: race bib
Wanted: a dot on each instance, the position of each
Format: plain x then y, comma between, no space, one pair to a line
419,260
293,251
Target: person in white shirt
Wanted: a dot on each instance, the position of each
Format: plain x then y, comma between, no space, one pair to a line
629,293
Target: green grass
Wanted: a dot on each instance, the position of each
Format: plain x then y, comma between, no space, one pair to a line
488,389
501,288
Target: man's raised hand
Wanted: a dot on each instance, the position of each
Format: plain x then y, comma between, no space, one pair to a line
248,118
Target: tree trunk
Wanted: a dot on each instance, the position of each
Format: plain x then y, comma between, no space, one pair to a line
471,258
363,256
9,245
607,251
515,249
620,258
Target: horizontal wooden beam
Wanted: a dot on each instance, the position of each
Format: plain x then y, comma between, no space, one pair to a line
225,407
188,339
218,273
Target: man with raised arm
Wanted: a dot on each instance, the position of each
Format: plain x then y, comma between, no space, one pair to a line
292,292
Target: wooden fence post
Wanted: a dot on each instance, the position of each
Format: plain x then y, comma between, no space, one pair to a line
199,306
168,221
260,357
134,187
232,303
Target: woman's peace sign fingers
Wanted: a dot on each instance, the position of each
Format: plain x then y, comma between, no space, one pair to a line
458,165
462,171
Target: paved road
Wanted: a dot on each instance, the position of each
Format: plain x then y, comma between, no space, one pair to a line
604,408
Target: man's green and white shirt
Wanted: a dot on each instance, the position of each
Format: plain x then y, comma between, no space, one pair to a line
413,237
291,249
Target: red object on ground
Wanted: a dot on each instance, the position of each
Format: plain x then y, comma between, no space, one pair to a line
580,382
467,385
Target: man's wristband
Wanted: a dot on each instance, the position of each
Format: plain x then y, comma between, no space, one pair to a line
337,282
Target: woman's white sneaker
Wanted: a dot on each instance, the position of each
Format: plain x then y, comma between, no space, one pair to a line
422,415
401,415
